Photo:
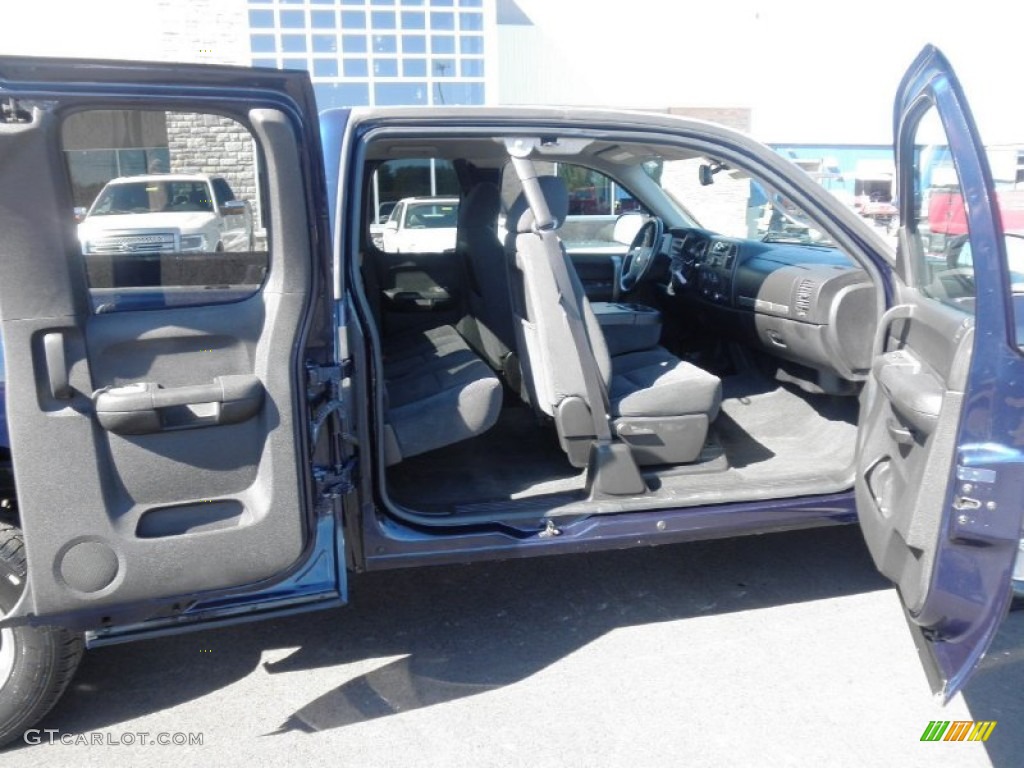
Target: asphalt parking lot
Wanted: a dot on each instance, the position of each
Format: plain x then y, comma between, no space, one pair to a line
776,650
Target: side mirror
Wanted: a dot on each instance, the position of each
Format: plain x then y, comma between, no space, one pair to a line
626,227
391,226
233,208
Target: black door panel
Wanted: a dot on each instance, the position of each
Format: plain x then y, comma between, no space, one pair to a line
598,272
129,510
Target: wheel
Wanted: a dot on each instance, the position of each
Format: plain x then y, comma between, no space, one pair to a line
36,663
641,255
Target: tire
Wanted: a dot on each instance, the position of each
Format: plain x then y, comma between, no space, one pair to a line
36,663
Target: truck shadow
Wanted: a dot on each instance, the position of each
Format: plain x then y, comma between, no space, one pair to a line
461,630
995,690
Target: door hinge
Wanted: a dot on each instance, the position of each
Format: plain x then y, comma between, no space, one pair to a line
317,375
336,481
12,112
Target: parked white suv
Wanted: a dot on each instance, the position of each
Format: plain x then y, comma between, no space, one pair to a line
421,225
166,213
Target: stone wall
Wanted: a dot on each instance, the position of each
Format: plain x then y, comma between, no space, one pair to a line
219,146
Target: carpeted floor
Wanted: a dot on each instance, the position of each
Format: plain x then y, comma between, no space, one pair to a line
778,441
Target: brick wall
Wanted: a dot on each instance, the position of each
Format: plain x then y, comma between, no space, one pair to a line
219,146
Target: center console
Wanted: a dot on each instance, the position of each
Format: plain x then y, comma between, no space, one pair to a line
627,327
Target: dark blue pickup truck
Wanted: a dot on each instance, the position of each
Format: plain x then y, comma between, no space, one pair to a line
201,438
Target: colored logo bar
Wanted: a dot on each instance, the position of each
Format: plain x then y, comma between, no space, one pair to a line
958,730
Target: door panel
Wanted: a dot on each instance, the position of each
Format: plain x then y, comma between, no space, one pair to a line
940,454
213,492
598,272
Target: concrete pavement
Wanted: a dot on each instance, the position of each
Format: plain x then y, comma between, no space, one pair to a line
771,651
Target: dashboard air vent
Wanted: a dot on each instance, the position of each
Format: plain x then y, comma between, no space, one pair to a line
804,292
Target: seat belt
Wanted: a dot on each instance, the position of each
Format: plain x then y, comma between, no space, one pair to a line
571,302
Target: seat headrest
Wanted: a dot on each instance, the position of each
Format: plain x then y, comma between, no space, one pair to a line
481,206
556,194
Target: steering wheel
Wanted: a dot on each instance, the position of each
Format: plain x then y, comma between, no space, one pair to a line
641,254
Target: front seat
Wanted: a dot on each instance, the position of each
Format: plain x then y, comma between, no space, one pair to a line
488,325
658,404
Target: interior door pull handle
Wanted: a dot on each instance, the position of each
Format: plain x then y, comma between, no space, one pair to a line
899,433
56,365
145,407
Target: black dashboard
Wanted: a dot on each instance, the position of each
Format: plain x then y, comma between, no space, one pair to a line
807,303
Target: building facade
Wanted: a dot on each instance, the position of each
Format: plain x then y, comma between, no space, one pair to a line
380,52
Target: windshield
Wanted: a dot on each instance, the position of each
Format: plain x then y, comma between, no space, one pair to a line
735,205
431,215
152,197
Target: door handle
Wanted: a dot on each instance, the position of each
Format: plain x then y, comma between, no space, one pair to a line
899,434
145,407
56,365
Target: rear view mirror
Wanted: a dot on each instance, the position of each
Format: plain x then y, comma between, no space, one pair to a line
706,173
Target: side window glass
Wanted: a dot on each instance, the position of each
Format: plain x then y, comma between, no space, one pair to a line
415,204
938,229
167,208
595,202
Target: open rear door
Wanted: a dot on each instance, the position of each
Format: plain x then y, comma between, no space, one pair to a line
939,476
156,370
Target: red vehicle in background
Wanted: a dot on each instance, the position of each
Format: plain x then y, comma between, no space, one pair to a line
945,205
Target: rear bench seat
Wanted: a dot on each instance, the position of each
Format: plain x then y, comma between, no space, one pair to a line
436,392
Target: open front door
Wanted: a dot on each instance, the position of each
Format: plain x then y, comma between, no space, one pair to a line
156,383
940,479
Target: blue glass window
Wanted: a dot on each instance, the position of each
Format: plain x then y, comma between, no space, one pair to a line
442,44
472,67
272,63
471,21
458,93
442,2
294,64
261,19
323,19
471,3
353,20
385,44
322,2
293,19
353,43
382,2
325,68
412,2
382,20
325,44
414,44
442,20
443,67
414,68
293,43
414,20
355,68
330,95
400,94
471,44
262,44
385,67
352,2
